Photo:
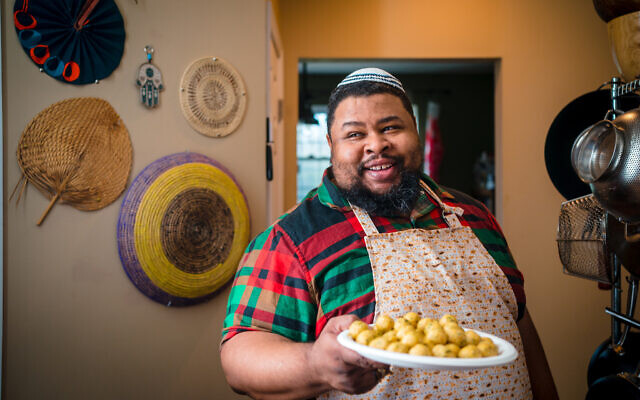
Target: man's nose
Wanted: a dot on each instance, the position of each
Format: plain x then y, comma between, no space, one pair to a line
376,143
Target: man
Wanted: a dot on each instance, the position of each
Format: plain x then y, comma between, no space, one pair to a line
375,238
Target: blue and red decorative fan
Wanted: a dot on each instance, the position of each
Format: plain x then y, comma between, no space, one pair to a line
74,41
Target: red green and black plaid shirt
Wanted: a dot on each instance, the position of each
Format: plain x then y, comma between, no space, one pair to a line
312,264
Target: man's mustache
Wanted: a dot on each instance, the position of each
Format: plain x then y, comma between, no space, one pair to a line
398,160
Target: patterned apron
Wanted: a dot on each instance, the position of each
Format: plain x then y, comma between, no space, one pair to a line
437,272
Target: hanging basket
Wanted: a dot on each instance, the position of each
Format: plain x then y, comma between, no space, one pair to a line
77,151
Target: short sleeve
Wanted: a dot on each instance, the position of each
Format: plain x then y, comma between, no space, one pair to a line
270,291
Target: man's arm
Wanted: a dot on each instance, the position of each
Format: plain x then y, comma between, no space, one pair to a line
267,365
542,383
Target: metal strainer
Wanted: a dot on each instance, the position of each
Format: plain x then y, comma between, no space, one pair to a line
607,157
581,239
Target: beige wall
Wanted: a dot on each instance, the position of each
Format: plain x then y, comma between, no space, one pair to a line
75,326
551,51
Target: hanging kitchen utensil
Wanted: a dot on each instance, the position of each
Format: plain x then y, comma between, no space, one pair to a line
77,151
213,97
73,41
574,118
183,226
581,239
610,9
610,359
623,385
623,32
607,157
149,80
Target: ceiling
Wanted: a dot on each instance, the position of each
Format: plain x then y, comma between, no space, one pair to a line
398,66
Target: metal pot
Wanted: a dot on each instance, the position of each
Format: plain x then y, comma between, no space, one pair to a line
620,386
610,9
609,359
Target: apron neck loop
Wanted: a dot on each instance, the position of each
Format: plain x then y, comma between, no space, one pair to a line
450,214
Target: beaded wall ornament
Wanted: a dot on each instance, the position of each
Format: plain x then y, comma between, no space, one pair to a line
149,80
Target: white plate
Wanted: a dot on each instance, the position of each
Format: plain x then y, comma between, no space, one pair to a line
506,354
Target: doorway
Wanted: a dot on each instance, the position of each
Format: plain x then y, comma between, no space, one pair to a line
454,105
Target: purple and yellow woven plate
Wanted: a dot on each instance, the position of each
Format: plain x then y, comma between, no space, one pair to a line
183,227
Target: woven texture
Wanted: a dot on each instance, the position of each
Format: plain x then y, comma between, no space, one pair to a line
79,150
213,97
183,226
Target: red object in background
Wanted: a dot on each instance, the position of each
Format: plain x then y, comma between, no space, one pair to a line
433,149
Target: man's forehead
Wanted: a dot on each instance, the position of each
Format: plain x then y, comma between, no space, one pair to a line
381,102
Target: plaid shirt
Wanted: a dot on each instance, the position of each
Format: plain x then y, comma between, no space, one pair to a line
312,264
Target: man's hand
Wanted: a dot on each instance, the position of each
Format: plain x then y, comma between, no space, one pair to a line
339,367
266,365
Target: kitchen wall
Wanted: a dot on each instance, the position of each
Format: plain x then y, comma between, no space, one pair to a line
549,52
75,327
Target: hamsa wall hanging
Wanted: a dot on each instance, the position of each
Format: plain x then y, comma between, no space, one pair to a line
149,80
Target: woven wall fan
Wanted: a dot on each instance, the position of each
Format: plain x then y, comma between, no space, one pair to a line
213,96
77,151
183,226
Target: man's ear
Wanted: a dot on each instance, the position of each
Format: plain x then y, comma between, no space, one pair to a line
329,141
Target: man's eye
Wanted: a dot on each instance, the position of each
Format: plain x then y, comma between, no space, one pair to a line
390,128
353,135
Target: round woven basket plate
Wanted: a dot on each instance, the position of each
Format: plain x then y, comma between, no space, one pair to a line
183,226
213,96
77,150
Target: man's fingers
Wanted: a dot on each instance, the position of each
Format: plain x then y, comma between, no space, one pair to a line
352,358
340,323
363,380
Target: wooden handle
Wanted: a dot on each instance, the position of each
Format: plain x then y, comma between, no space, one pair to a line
51,203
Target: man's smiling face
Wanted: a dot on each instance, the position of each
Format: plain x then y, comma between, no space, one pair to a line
373,140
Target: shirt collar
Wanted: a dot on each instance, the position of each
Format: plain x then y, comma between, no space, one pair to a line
330,196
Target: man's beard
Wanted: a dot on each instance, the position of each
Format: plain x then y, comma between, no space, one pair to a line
398,201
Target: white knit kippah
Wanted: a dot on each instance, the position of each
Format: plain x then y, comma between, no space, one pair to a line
374,75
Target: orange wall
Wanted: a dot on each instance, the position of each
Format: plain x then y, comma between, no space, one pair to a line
551,51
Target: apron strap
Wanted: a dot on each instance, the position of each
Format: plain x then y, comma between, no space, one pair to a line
450,214
365,220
